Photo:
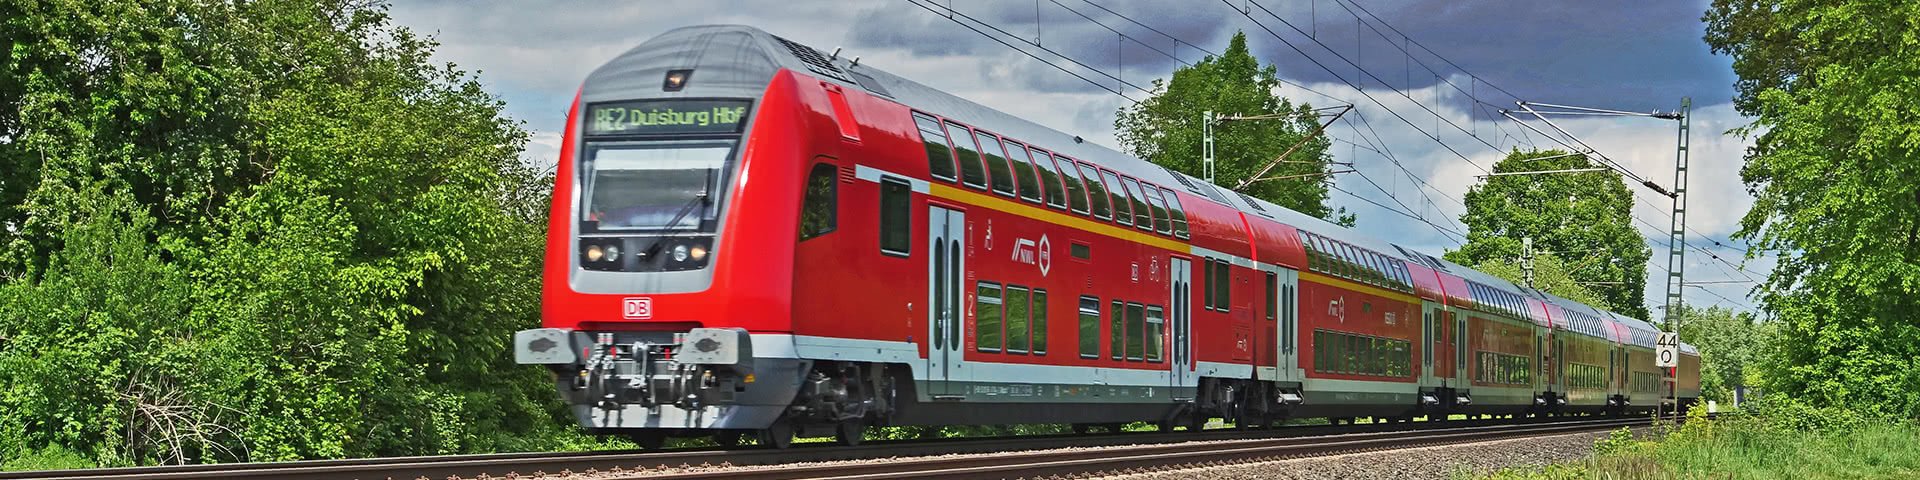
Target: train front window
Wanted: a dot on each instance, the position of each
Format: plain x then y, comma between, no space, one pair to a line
665,186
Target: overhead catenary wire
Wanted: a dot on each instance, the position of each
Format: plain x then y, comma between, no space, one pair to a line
954,16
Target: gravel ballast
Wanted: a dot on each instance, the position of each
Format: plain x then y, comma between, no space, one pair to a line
1425,462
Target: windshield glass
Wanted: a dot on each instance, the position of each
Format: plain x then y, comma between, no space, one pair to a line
653,186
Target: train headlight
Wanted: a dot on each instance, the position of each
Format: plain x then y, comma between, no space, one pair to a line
699,253
613,253
680,253
594,254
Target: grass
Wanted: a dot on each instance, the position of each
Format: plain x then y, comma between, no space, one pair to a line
1748,446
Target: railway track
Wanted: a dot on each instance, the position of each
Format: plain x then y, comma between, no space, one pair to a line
1132,451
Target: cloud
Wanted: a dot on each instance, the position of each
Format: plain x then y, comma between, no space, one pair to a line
1635,57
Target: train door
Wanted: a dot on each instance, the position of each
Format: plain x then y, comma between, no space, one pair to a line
1459,349
946,270
1286,342
1430,325
1180,273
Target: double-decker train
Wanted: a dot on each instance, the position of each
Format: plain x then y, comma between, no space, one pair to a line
750,236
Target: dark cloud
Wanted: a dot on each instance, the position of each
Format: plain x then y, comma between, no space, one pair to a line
1629,55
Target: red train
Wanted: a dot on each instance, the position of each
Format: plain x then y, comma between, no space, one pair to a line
751,236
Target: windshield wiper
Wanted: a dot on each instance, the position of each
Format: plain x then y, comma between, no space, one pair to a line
701,198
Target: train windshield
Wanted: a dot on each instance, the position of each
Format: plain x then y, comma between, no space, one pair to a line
656,186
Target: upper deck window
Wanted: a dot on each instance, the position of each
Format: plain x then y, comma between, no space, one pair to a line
1179,214
1161,222
1076,191
1023,171
1096,190
1122,213
967,153
939,154
1142,217
996,157
1049,179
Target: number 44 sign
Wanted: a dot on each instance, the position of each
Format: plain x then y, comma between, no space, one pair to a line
1666,350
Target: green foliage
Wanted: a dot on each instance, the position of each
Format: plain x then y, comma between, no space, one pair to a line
1584,218
1166,129
1549,274
1830,85
1771,438
259,231
1733,346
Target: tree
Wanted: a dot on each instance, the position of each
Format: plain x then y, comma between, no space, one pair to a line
1836,111
1583,217
1167,130
1732,346
1549,275
275,229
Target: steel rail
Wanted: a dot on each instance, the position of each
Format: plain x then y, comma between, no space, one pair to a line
629,461
1135,459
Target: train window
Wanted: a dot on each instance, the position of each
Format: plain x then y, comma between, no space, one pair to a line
1142,216
1096,191
1136,331
1039,322
1080,250
939,155
998,175
1376,271
1223,273
1156,325
1049,179
817,209
1117,329
1015,307
1207,279
1076,191
1023,170
1089,326
1349,263
967,153
1179,214
1122,211
1319,351
1313,251
986,317
896,217
1273,292
1161,222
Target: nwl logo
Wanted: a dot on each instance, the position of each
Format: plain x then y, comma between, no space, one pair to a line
1038,254
637,308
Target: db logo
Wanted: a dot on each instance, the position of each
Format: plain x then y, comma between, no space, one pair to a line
637,308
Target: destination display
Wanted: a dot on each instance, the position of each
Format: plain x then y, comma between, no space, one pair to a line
656,117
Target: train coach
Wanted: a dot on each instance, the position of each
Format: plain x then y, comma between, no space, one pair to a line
749,236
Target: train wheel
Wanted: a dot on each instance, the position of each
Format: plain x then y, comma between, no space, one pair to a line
779,435
649,439
727,438
850,432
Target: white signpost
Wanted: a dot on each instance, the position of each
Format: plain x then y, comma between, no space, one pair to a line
1666,350
1666,354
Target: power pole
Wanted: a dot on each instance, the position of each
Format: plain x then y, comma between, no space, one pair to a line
1206,143
1526,258
1677,245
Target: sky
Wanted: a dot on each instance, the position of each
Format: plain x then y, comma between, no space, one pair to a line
1428,79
